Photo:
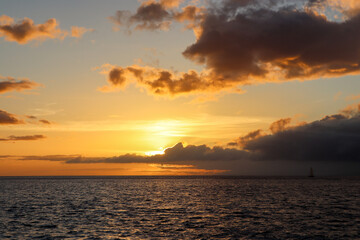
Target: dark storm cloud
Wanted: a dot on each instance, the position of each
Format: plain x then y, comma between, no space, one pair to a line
8,84
285,44
251,41
23,138
333,138
8,118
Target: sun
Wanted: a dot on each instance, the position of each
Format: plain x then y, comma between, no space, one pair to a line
152,153
162,134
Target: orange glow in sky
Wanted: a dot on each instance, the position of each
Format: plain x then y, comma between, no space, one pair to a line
182,88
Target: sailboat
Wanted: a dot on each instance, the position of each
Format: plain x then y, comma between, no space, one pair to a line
311,173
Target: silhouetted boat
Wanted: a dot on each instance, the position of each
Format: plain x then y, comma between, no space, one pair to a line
311,173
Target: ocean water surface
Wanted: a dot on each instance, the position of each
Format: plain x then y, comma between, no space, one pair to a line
179,208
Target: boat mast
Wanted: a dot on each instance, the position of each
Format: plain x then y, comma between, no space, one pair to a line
311,172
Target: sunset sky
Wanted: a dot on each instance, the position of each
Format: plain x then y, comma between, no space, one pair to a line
163,87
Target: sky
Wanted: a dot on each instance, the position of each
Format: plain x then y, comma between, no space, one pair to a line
179,87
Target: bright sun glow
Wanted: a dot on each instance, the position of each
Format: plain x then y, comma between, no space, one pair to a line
152,153
164,133
171,128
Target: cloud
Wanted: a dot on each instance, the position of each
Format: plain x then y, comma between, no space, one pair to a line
52,158
353,97
149,16
23,138
44,121
192,15
8,118
331,143
34,120
31,117
177,154
350,111
252,41
25,30
241,141
116,77
8,84
333,138
156,15
264,45
160,81
280,125
78,32
346,8
169,3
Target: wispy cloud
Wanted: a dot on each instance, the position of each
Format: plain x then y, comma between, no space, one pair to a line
353,97
23,138
78,32
9,118
34,120
8,84
44,121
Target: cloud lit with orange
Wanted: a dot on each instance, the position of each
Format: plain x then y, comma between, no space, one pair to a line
8,84
8,118
175,87
26,30
232,56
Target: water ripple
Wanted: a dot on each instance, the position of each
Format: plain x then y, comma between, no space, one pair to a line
179,208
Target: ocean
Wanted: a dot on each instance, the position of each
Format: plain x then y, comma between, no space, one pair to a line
179,208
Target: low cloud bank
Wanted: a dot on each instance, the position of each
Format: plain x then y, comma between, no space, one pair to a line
332,142
23,138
